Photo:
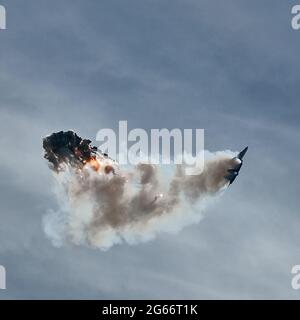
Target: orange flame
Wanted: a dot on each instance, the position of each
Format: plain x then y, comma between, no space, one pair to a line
94,163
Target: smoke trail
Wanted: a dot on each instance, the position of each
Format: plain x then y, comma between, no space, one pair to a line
101,210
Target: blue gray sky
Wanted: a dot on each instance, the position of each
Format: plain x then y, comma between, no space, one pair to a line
230,67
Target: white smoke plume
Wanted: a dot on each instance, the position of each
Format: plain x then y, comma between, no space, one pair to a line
101,210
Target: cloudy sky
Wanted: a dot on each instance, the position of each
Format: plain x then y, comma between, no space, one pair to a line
230,67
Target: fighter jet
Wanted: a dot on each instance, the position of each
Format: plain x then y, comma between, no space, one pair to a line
238,162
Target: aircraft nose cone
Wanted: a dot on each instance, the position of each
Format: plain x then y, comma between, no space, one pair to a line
242,153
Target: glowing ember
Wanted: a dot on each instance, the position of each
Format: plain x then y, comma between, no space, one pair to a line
108,169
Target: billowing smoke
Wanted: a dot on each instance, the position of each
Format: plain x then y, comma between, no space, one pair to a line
99,208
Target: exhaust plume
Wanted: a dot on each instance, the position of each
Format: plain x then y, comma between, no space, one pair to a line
101,205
